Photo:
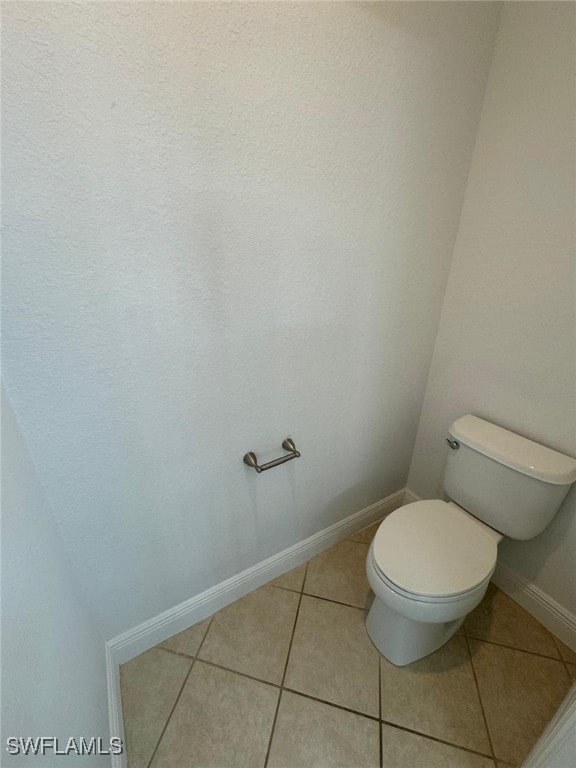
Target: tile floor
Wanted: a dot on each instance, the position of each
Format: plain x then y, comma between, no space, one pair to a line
286,677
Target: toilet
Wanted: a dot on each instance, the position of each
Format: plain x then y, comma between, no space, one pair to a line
430,562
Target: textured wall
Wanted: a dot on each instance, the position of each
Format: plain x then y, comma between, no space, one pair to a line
225,224
506,346
53,668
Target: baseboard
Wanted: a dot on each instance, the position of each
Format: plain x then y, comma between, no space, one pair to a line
180,617
544,608
115,706
557,745
410,496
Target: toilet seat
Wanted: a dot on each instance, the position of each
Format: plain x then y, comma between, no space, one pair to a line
434,551
424,599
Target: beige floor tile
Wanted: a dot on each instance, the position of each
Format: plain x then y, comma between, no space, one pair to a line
520,693
253,634
294,579
309,734
340,574
221,719
150,685
566,653
366,534
187,641
436,696
501,620
332,657
401,749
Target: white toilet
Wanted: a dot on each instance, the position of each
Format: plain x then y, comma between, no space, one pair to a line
430,562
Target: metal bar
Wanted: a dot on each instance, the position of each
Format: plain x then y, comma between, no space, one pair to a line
288,445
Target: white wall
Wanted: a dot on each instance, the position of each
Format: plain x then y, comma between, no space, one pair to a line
53,667
226,224
506,346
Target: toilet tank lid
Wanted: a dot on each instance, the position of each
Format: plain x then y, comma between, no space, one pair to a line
514,451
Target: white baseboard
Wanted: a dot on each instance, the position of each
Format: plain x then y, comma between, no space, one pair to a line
410,496
560,621
115,707
556,747
148,634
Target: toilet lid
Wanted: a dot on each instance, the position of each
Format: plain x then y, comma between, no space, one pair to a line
434,549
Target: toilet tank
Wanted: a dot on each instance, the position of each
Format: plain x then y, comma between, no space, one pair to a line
509,482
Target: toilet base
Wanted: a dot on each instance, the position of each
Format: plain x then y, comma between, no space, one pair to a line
403,640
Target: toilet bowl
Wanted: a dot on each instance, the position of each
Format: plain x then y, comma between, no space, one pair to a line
429,565
430,562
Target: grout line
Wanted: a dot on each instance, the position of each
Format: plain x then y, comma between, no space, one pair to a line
358,541
353,541
178,697
332,704
479,697
336,602
236,672
268,749
175,653
279,586
568,672
170,714
556,641
305,577
160,647
284,673
514,648
435,738
293,629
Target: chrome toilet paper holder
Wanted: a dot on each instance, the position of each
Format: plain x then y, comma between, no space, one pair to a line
288,445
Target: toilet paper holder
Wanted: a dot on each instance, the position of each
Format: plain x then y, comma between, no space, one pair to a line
288,445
